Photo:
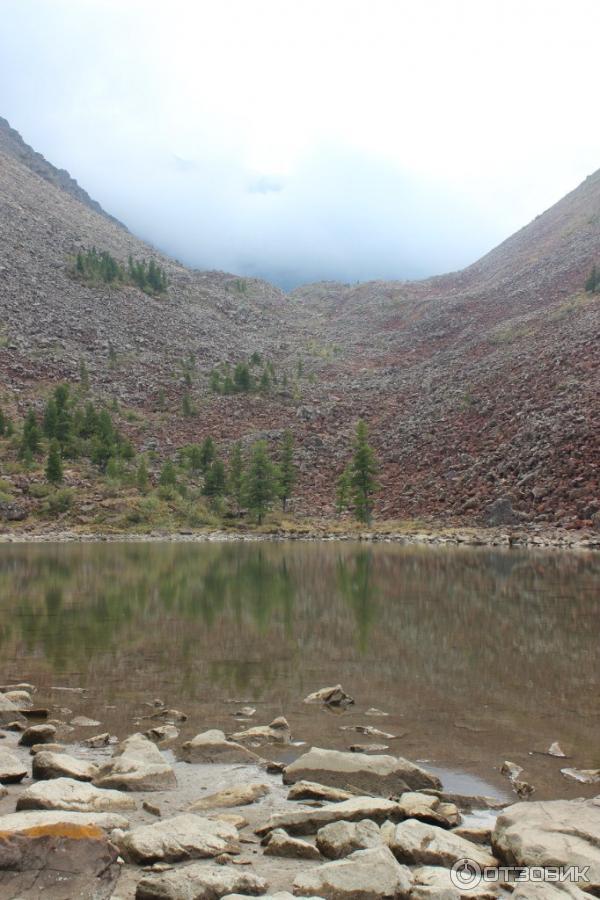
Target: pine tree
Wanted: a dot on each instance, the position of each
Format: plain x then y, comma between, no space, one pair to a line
194,457
141,477
362,474
30,443
593,282
261,481
61,396
235,476
63,428
214,480
287,469
242,378
265,381
207,453
54,468
50,418
168,475
84,377
186,406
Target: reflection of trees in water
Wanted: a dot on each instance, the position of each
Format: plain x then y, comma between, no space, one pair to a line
248,614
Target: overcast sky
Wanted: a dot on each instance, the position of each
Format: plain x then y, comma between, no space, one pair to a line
308,139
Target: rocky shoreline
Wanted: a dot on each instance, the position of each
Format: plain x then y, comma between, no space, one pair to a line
85,814
558,539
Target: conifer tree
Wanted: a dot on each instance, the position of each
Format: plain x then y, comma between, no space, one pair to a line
362,474
207,453
84,377
214,480
235,476
50,418
593,282
261,481
287,469
168,476
30,443
141,477
54,468
186,406
3,421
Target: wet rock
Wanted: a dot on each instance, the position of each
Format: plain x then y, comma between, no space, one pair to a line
342,838
183,837
416,843
435,883
239,795
213,746
161,733
170,715
84,722
58,765
12,769
76,796
364,875
21,699
137,765
583,776
428,808
278,732
46,748
58,861
22,686
98,740
368,748
9,712
373,711
330,696
308,821
382,775
38,734
152,809
23,822
551,833
199,882
246,712
556,750
310,790
279,843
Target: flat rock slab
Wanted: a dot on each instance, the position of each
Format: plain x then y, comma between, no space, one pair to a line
435,883
364,875
137,765
310,790
58,863
429,808
551,833
183,837
55,821
280,843
199,882
212,746
417,843
381,775
340,839
308,821
47,764
75,796
239,795
12,769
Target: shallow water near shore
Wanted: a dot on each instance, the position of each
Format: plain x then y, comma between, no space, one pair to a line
477,655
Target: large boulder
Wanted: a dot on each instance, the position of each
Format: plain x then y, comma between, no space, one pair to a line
342,838
77,796
23,822
38,734
383,775
12,769
551,833
9,711
238,795
199,882
183,837
58,860
212,746
137,765
60,765
364,875
308,821
417,843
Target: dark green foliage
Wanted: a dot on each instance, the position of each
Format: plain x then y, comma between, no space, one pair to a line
215,381
54,468
592,284
141,477
362,474
186,406
342,491
94,267
168,475
30,442
265,381
287,469
255,359
84,377
261,482
61,396
195,457
235,476
207,453
228,385
149,277
90,421
3,423
214,480
50,418
161,400
242,379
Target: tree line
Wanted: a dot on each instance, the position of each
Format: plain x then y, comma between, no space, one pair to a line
93,266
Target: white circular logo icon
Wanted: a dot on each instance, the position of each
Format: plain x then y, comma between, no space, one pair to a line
465,874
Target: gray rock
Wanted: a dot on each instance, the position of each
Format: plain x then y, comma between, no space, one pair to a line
416,843
279,843
382,775
310,790
77,796
21,699
278,732
16,823
213,746
137,765
435,883
199,882
12,769
342,838
38,734
500,512
238,795
364,875
183,837
429,808
308,821
330,696
551,833
58,765
9,712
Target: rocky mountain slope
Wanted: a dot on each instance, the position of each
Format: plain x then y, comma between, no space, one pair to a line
478,387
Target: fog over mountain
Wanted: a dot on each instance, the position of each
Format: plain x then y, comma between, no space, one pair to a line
310,141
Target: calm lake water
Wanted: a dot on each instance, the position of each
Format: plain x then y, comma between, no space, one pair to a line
477,655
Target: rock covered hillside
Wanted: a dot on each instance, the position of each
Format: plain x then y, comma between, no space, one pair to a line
481,387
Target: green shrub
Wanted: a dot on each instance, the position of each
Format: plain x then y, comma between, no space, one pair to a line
59,502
